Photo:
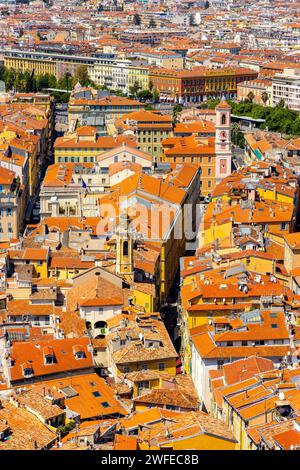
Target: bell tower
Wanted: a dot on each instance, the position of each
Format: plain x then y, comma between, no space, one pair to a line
223,141
124,261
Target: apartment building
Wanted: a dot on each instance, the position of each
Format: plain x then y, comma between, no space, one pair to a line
149,127
119,74
74,188
12,205
286,87
89,106
85,144
45,62
200,83
259,88
161,58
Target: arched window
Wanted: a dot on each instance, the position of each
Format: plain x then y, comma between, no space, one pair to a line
223,119
100,324
125,249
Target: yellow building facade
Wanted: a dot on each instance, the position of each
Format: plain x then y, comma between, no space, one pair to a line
169,365
40,66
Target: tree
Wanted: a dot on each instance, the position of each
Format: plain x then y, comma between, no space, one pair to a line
278,119
250,96
237,136
2,71
137,19
207,5
192,20
148,107
66,82
82,76
63,430
43,81
145,94
28,82
133,90
211,103
152,24
155,96
176,110
264,97
281,103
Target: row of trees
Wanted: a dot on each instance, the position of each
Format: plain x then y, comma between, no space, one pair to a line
264,97
146,95
28,81
277,119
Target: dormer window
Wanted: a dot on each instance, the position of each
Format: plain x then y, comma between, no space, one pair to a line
78,352
27,370
80,355
49,357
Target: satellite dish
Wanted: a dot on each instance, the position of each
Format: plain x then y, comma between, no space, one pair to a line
281,396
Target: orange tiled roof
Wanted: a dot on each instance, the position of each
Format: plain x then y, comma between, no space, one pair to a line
65,360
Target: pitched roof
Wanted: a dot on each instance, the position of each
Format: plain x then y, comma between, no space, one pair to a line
90,395
184,426
6,176
32,355
246,368
288,440
95,291
27,431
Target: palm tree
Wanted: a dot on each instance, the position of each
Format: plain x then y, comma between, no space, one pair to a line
264,97
137,19
250,96
152,23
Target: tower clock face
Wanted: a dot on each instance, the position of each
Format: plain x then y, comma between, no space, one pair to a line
223,135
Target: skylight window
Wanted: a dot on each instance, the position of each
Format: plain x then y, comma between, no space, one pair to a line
96,394
105,404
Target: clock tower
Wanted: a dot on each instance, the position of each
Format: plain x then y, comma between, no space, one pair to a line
223,141
124,258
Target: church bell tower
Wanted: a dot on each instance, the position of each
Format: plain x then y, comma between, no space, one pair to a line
223,141
124,261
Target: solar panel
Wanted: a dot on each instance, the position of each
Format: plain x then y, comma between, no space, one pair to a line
69,392
251,317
